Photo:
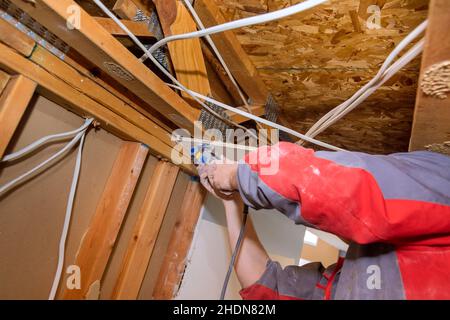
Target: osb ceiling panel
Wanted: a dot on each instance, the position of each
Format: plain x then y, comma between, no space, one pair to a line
313,61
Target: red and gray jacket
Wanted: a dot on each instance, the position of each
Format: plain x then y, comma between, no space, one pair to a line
394,209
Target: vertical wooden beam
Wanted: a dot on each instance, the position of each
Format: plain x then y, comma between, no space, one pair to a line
234,55
13,103
431,124
142,242
99,240
190,68
174,263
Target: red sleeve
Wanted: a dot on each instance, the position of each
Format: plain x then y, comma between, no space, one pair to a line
401,198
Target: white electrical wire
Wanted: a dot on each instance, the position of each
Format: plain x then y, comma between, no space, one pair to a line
263,18
8,186
400,47
328,119
162,69
389,73
216,51
54,137
68,215
261,120
267,17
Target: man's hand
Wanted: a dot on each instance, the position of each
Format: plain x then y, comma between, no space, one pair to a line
219,178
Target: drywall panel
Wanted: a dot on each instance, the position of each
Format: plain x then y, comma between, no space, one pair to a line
31,215
210,253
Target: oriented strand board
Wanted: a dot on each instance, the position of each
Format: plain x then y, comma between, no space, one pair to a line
315,60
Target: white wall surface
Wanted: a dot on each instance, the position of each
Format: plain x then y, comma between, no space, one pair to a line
210,252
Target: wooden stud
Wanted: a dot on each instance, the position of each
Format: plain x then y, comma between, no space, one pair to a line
234,55
104,51
431,124
145,232
99,240
139,29
13,103
8,36
174,262
190,68
65,95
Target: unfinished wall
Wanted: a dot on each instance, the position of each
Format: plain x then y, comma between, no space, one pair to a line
31,215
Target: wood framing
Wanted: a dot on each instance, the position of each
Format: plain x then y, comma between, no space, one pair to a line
142,242
431,124
103,50
127,9
190,68
62,93
24,45
4,78
13,103
139,29
99,240
174,263
258,110
235,57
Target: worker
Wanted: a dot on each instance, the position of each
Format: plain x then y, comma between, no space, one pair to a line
394,211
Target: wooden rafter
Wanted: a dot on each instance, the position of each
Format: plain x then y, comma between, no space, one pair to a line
99,240
139,29
234,55
64,94
13,103
431,124
103,50
142,242
190,68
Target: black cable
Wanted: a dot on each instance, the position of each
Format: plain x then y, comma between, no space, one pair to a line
235,253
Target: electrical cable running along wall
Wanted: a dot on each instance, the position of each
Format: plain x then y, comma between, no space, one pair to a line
80,134
383,75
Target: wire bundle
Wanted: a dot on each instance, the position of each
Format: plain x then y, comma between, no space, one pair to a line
78,137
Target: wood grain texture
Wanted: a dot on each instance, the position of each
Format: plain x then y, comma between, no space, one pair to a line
67,96
174,264
145,233
8,36
313,61
238,62
432,115
13,103
186,55
139,29
104,51
4,78
99,240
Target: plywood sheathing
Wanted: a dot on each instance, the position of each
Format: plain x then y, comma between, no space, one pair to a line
315,60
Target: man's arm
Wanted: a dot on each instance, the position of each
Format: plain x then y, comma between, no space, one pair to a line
399,199
252,258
